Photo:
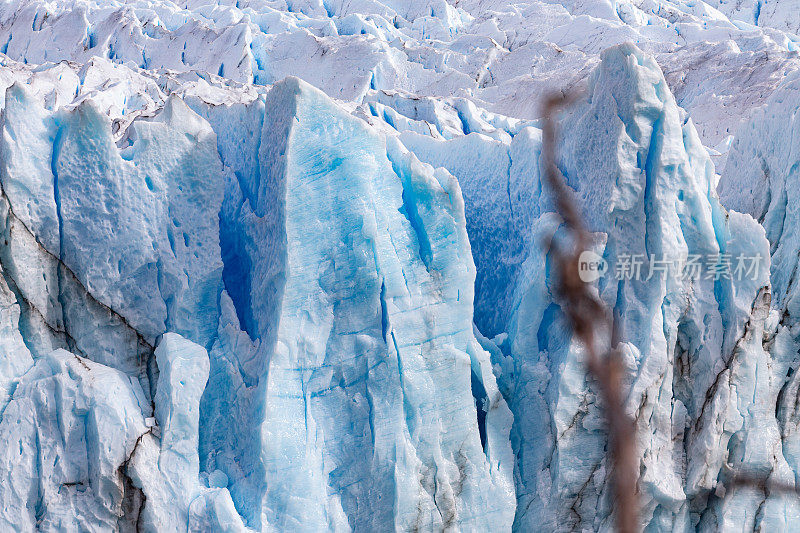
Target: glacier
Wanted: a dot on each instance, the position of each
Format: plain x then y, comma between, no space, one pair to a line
274,265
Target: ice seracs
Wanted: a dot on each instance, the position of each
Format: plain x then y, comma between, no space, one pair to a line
349,267
232,301
375,376
494,53
165,466
692,346
68,429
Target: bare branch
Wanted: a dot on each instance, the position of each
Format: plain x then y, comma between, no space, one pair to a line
752,480
591,320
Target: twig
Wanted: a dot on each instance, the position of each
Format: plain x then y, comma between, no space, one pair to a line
751,480
590,319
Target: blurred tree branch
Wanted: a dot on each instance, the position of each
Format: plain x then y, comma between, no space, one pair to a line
591,321
594,324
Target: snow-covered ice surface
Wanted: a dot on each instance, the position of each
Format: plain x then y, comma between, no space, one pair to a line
277,265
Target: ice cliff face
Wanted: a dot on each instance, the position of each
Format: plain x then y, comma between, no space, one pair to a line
232,301
349,398
702,386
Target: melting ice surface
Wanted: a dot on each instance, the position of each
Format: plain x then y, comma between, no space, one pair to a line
234,303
